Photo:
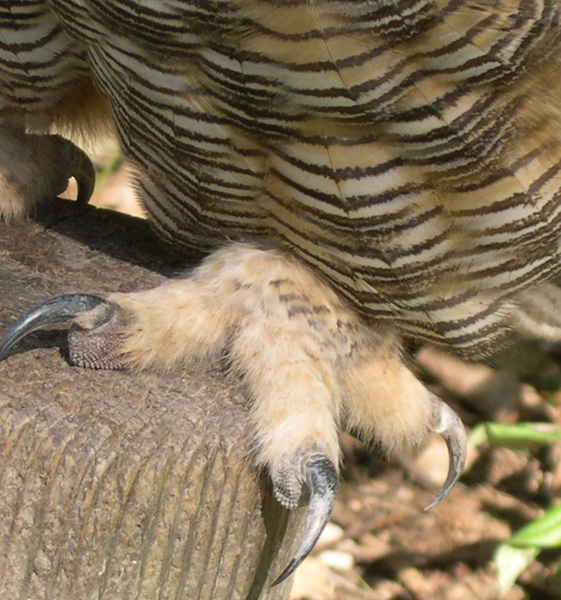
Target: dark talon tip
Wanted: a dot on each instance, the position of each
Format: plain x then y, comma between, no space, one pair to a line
84,173
79,166
62,309
321,478
447,423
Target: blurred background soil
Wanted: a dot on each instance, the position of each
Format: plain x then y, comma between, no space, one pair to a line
380,545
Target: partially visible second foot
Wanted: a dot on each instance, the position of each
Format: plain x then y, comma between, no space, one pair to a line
36,168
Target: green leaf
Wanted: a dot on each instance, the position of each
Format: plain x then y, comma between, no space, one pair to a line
477,436
513,557
519,436
510,562
544,532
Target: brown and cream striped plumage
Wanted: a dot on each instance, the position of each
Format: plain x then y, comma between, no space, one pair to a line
407,151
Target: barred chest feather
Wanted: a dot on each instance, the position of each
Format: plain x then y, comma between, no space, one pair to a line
407,150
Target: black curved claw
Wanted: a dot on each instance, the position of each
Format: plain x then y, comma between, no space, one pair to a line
62,309
78,165
447,424
84,173
321,478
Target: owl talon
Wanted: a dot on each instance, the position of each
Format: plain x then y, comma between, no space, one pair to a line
83,172
447,424
321,479
63,310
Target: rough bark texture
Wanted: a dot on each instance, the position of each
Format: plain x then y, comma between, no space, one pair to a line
118,485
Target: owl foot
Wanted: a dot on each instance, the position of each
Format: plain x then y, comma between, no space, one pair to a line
309,364
36,168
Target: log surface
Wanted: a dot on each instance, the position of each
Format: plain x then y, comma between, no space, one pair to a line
119,485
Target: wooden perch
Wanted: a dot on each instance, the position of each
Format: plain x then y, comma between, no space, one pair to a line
119,485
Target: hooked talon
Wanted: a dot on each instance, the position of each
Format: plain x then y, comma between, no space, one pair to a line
84,173
60,310
80,167
447,424
321,479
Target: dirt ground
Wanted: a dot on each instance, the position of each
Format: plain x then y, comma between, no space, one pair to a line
380,545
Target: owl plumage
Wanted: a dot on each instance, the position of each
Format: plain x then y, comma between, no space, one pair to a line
363,172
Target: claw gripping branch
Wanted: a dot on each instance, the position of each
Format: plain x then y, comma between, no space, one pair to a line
318,472
62,310
321,479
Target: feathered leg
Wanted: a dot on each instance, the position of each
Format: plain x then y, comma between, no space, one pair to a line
309,364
